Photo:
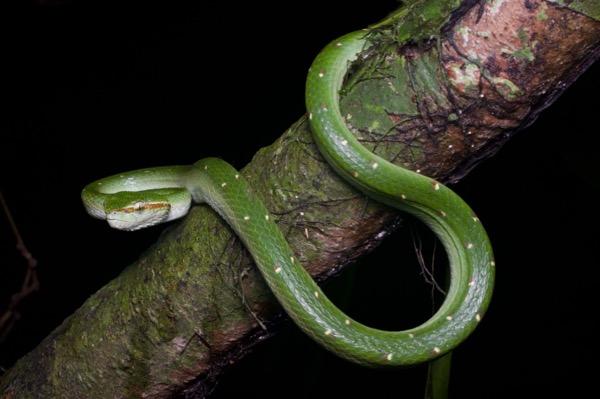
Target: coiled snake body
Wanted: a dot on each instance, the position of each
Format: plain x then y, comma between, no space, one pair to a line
145,197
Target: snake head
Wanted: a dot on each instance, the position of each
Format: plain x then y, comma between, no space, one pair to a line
137,210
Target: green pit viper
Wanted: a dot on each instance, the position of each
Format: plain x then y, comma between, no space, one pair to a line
145,197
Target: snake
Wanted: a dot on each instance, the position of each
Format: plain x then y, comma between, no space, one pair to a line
146,197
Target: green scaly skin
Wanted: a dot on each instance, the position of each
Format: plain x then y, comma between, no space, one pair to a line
216,183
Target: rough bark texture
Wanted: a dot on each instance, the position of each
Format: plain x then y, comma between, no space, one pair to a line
173,321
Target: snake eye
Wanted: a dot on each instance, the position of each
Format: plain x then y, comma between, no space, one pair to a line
138,207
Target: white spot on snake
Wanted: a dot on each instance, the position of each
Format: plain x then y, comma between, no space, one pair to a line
348,322
292,259
237,176
321,73
475,218
411,335
317,294
355,174
223,185
344,143
435,185
324,107
443,214
493,264
328,332
449,317
471,282
278,269
478,317
403,196
389,357
247,218
310,116
205,167
436,350
469,245
374,165
338,45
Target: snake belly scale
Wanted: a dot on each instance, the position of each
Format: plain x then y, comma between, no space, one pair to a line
145,197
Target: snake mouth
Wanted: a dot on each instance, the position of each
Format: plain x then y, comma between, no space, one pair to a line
132,218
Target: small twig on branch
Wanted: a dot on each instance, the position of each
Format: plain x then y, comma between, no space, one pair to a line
30,281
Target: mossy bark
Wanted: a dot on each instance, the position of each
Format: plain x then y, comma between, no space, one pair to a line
194,303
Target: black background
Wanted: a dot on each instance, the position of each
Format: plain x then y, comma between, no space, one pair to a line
94,88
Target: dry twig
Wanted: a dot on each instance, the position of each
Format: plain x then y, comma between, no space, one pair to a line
30,281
